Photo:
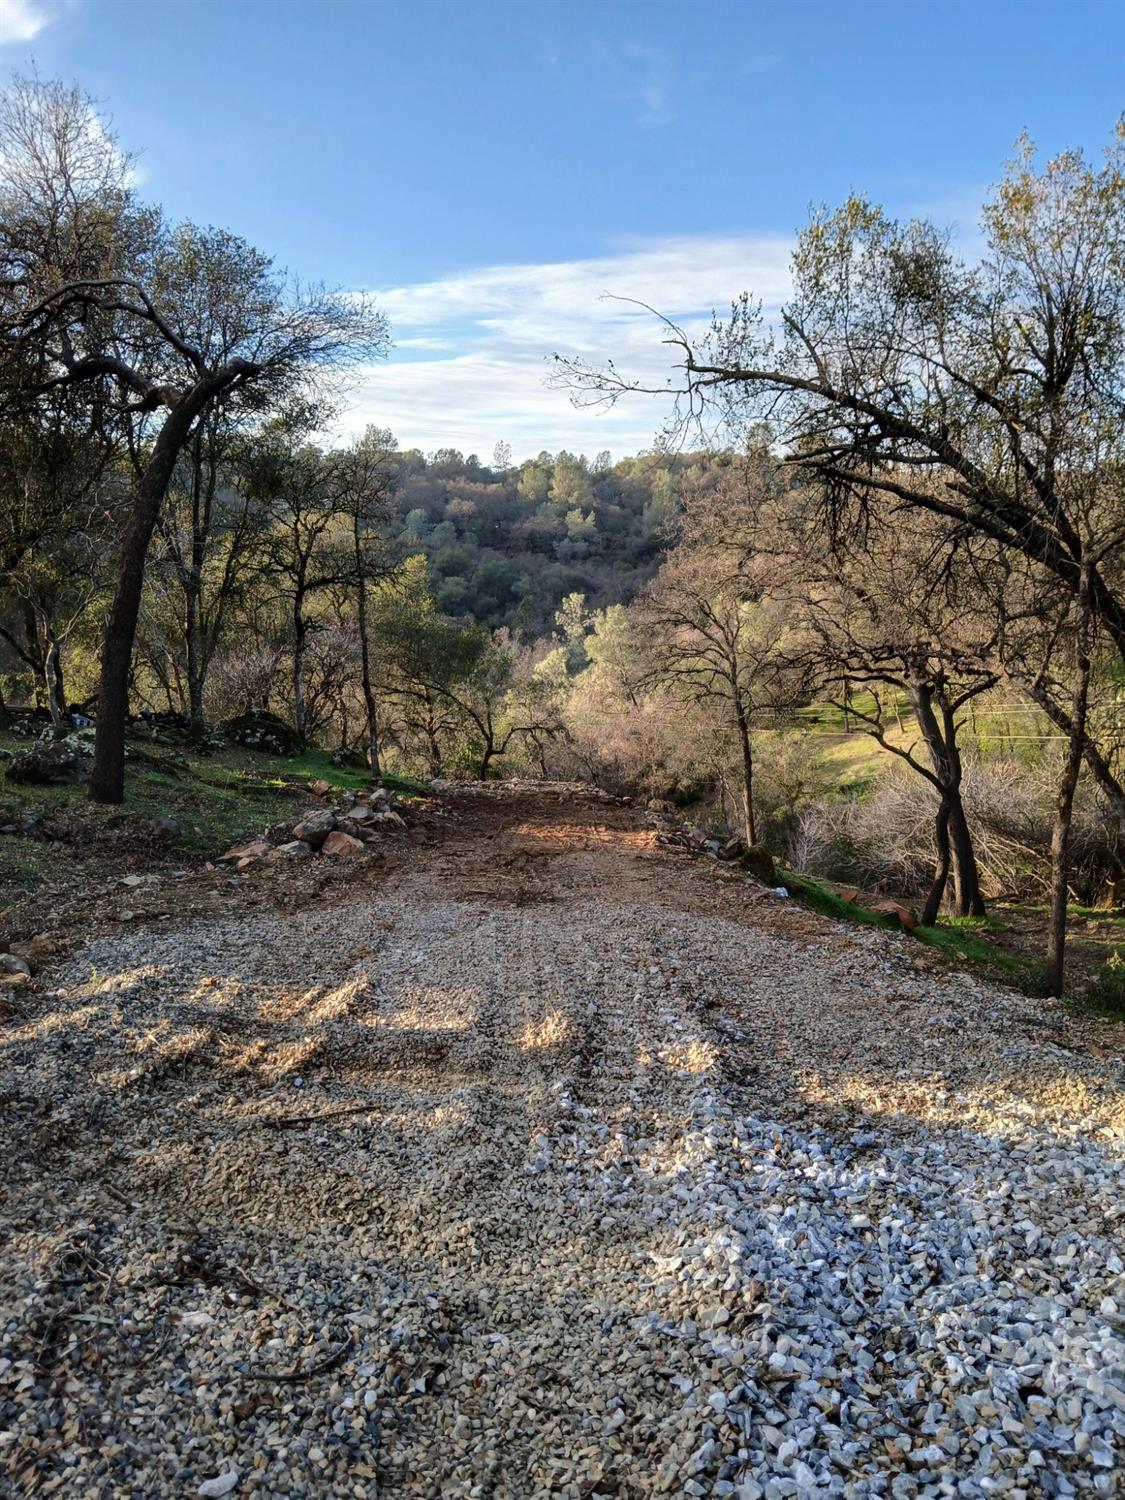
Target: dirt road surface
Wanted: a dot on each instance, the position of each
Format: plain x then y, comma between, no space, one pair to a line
545,1161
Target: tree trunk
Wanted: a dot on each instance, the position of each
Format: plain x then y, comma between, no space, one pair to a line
433,748
107,776
748,825
34,655
941,741
1100,768
195,665
966,878
201,505
52,672
1064,801
300,631
941,865
489,752
369,701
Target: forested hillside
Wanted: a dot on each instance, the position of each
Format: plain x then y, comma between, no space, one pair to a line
507,543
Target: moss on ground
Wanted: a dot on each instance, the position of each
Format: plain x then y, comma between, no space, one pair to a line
972,942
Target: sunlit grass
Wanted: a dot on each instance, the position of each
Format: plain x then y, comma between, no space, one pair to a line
213,798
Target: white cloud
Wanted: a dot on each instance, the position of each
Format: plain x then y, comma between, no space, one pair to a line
491,333
21,20
652,90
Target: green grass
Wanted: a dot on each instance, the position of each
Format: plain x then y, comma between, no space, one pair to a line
213,798
1105,997
1098,914
405,786
967,942
316,765
819,896
961,939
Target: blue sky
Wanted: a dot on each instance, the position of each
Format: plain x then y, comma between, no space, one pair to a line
489,167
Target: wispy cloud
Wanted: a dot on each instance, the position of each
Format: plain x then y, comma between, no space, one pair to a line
474,349
652,90
22,20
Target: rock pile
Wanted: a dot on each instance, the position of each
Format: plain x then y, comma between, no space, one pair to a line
359,819
671,828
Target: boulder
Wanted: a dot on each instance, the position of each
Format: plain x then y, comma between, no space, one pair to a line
353,759
294,849
321,788
11,963
903,915
259,730
49,764
341,843
246,852
165,825
732,849
315,827
758,861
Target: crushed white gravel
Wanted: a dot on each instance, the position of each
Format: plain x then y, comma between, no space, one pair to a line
548,1166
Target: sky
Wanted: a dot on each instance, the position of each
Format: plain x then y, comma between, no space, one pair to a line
491,169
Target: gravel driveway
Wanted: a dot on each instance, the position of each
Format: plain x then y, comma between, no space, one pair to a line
549,1163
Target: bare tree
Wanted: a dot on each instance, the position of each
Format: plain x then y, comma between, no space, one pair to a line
158,323
899,611
713,638
294,485
364,480
988,394
209,540
1049,649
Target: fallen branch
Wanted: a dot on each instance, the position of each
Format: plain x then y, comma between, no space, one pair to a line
294,1122
333,1358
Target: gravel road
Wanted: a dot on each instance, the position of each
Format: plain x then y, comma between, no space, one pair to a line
548,1162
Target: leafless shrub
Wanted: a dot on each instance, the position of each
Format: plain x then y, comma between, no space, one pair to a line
883,841
250,672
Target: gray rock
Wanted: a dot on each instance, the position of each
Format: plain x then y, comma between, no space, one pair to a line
315,828
11,963
295,849
51,764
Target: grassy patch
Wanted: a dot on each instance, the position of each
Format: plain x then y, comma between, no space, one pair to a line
317,765
819,896
212,798
1105,992
963,939
405,786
